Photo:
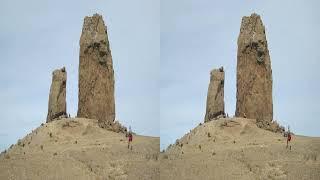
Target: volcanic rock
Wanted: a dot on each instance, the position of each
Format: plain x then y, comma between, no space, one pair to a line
215,98
57,98
254,74
96,75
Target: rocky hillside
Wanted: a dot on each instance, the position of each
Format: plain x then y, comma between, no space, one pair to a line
77,148
236,148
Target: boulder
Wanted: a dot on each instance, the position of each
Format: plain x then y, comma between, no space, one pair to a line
96,76
254,74
272,126
215,97
57,106
117,127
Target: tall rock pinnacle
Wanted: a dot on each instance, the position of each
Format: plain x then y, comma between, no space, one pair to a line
57,97
96,76
215,98
254,74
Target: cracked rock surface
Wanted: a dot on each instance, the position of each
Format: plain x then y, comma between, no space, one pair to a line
215,98
254,74
57,97
96,75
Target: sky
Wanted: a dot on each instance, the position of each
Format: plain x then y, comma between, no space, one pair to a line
197,36
39,36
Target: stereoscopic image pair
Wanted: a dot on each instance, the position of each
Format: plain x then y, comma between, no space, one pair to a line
159,90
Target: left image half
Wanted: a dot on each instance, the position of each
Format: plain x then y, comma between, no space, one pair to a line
79,93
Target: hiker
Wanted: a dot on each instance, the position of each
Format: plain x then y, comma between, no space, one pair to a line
130,138
288,138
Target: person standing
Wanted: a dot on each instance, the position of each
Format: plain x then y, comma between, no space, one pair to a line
289,138
130,137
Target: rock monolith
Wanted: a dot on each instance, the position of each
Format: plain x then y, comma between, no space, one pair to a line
96,77
215,97
57,106
254,74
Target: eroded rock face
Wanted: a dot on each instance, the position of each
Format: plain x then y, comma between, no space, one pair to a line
272,126
96,76
57,106
254,74
215,98
117,127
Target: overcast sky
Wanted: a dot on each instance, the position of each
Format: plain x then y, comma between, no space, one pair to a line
197,36
39,36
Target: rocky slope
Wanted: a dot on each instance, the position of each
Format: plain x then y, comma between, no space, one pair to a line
77,148
236,148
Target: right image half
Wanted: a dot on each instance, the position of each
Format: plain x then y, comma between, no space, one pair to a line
239,90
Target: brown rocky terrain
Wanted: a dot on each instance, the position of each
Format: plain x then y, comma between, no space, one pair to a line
57,105
235,148
215,98
96,76
254,74
77,148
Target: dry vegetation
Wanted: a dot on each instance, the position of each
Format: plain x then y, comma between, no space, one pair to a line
237,149
79,149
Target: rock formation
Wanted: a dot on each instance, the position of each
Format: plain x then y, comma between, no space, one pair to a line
272,126
254,74
57,97
96,77
215,98
117,127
